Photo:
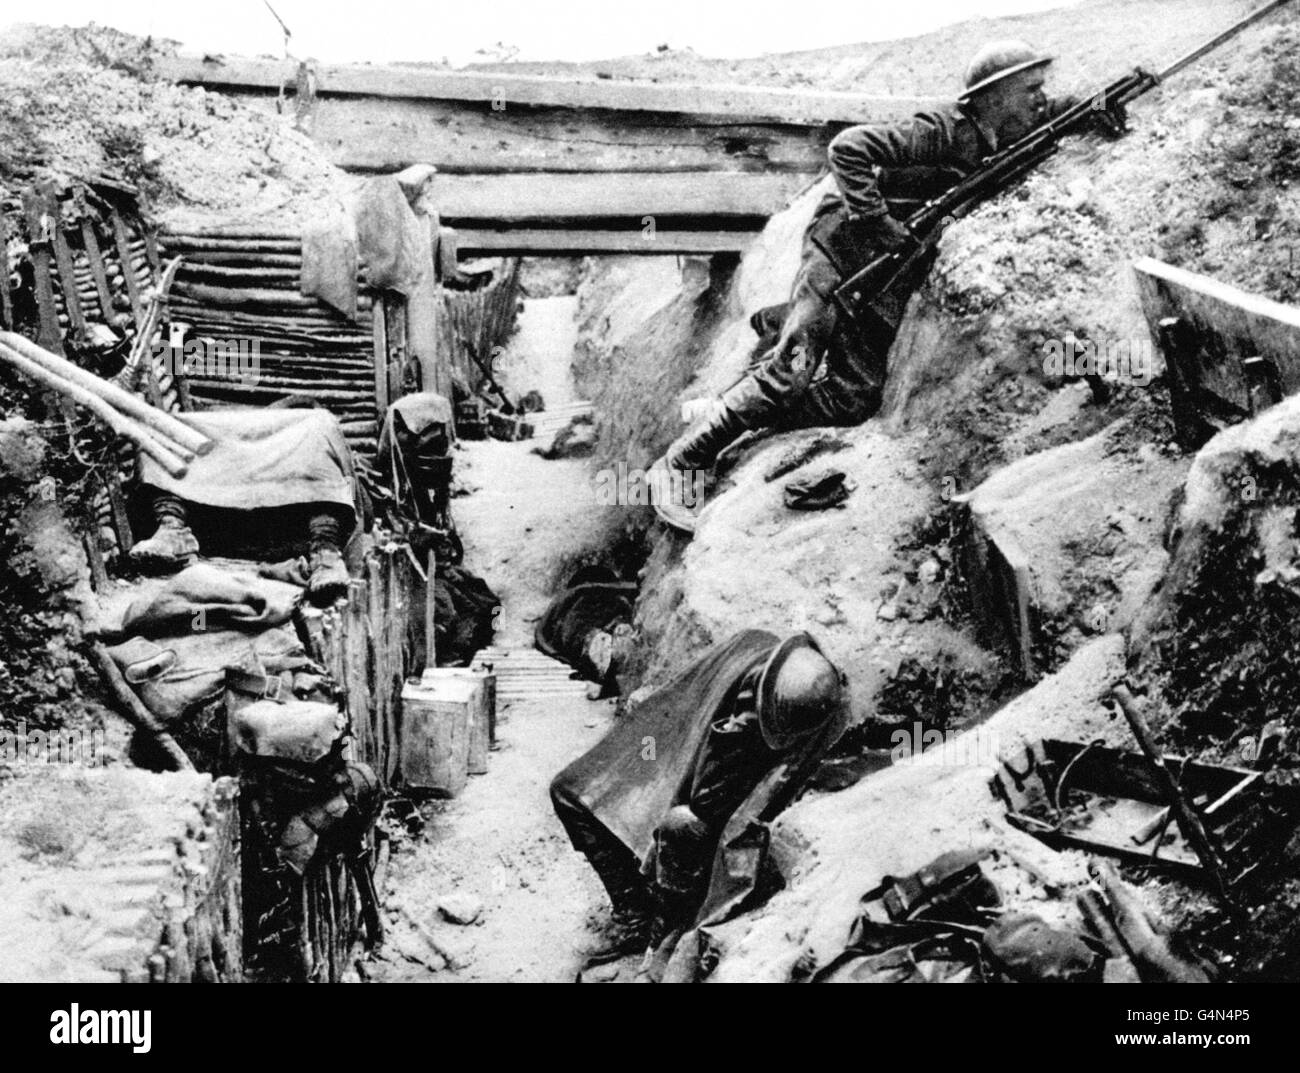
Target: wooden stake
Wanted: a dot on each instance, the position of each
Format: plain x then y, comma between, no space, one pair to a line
37,217
123,243
91,243
430,613
6,304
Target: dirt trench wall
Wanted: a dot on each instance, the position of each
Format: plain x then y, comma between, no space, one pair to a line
115,874
1218,643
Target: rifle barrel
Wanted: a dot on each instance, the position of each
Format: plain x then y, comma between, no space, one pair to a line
1227,35
1009,165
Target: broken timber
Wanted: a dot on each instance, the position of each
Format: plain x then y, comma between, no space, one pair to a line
1228,353
1115,802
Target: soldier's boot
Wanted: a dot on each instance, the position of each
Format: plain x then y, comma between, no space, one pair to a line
630,926
327,574
674,485
173,544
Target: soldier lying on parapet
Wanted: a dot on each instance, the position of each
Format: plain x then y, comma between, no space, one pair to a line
883,173
670,806
277,483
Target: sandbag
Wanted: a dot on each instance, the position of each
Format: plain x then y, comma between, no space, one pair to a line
303,731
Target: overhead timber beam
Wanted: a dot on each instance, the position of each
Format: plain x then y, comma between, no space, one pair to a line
561,242
386,118
798,106
646,198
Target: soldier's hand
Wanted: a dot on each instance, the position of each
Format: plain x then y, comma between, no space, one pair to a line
888,233
1110,118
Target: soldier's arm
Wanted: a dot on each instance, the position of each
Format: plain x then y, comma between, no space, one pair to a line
855,154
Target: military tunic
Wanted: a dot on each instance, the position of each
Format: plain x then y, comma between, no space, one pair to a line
815,374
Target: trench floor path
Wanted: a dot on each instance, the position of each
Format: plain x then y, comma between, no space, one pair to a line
499,842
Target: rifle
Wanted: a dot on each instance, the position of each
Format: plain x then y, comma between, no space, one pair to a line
874,297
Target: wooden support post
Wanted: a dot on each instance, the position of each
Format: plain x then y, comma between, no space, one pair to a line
380,325
151,252
1177,342
395,627
386,749
395,316
95,560
117,504
6,303
67,274
122,241
356,672
40,225
176,340
430,613
90,241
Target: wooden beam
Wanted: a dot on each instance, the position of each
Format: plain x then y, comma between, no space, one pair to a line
575,243
506,91
384,134
630,196
1222,326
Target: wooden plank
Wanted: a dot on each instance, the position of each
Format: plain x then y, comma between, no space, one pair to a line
392,629
67,278
398,349
475,242
386,748
122,242
1223,326
380,359
39,217
246,297
384,134
632,196
485,88
6,304
242,275
357,672
90,242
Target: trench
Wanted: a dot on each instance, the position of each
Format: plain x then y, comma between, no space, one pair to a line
498,844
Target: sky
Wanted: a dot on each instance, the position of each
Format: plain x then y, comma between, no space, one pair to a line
381,31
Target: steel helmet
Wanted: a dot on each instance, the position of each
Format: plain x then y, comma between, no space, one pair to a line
799,691
998,60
